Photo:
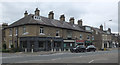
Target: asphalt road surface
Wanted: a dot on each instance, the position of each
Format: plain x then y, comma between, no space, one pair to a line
63,57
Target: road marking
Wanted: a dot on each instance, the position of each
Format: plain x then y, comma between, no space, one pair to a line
91,61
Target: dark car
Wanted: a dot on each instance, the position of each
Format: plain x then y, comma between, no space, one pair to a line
79,48
91,48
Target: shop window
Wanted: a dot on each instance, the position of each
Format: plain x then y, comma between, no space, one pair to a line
24,44
41,44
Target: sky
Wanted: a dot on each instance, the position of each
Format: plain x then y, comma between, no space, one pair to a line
92,12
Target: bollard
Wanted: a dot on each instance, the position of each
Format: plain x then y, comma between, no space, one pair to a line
32,51
60,50
68,49
54,50
25,49
51,50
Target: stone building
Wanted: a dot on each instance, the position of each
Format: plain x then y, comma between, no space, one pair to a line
39,33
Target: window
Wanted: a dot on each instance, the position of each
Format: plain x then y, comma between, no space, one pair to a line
57,33
88,37
10,43
96,32
16,31
41,30
69,34
10,32
41,44
24,29
80,37
92,37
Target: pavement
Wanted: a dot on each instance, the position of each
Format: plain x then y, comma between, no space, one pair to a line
62,57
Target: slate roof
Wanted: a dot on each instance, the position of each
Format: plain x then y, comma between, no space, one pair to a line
100,31
45,21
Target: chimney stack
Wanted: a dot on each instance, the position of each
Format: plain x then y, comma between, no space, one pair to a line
71,20
4,25
51,15
109,30
25,14
62,18
80,22
101,27
37,12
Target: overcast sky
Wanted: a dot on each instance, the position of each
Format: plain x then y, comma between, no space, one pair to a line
92,12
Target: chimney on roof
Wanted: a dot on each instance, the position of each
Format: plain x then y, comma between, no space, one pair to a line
109,30
80,22
62,18
71,20
4,25
101,27
51,15
25,14
37,12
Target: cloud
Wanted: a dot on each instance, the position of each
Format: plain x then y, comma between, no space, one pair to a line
93,13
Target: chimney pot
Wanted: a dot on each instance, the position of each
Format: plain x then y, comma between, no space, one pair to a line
25,14
101,27
37,12
72,20
80,22
62,18
51,15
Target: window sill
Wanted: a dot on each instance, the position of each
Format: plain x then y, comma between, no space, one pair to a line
41,34
25,33
10,35
15,35
57,36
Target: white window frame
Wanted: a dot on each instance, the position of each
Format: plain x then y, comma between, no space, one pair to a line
80,36
10,32
57,32
24,29
10,43
16,31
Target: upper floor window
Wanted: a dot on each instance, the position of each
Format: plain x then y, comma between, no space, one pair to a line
10,32
88,37
16,31
96,32
41,30
24,29
57,33
80,37
69,34
92,37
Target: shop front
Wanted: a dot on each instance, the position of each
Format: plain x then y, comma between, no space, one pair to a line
68,44
80,42
40,44
87,43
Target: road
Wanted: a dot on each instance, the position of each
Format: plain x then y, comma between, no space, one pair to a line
63,57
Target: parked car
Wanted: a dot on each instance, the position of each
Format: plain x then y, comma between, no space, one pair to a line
78,48
91,48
